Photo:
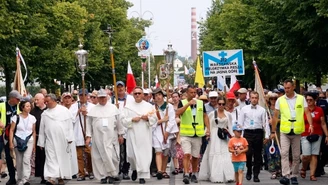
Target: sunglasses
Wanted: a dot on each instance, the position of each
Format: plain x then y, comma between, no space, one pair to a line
309,99
221,104
92,97
137,93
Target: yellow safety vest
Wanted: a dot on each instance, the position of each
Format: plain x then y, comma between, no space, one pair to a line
4,113
187,120
285,124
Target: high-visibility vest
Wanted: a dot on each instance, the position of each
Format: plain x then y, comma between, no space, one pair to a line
285,124
4,114
189,126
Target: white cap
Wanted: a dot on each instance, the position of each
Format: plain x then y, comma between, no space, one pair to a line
242,90
145,91
213,94
102,93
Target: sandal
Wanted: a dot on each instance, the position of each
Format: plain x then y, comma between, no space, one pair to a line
303,173
175,172
50,182
313,178
165,175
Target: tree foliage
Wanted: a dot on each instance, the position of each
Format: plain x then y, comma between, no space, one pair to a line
286,38
48,33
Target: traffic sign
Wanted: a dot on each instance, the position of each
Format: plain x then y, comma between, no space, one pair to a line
223,62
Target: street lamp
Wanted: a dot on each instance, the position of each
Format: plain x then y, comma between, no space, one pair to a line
82,63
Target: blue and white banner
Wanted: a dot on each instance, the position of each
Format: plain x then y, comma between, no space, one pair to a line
223,62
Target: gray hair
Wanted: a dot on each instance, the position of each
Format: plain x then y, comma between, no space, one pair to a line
52,96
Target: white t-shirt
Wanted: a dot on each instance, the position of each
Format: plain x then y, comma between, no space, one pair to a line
25,125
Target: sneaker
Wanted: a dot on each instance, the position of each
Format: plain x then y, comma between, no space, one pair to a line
3,175
74,176
284,180
294,180
91,176
185,179
80,179
142,181
194,179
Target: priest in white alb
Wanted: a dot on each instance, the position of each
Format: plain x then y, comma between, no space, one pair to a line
55,136
138,117
105,130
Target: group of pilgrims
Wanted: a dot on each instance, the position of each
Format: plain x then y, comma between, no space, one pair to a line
208,136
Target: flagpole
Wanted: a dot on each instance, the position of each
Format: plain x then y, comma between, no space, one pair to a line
266,105
109,31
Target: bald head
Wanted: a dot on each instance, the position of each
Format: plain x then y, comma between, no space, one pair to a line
43,91
39,100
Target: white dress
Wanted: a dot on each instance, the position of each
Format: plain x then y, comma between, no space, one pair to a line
216,165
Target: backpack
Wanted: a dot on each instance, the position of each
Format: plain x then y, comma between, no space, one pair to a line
7,129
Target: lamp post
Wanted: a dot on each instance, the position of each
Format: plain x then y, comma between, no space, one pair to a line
82,63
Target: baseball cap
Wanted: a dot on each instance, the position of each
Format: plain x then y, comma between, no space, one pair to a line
237,127
94,93
230,95
145,91
242,90
102,93
213,94
86,92
120,83
15,94
66,94
281,90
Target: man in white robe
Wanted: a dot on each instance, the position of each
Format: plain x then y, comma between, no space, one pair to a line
138,117
55,137
163,131
105,129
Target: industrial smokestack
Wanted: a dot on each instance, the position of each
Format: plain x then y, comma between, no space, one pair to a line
193,34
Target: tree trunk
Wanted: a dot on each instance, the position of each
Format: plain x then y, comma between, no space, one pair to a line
318,79
8,76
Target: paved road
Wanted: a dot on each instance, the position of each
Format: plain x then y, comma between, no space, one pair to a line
177,180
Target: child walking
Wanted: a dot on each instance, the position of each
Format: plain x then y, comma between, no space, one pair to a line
238,146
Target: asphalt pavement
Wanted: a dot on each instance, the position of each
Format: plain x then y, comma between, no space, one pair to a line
177,180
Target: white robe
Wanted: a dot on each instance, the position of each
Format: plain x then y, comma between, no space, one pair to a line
139,136
171,128
74,164
56,130
104,126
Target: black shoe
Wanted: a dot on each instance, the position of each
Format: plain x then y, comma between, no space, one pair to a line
80,179
43,181
11,182
3,175
126,176
142,181
159,175
185,179
111,180
248,176
194,179
284,180
27,183
293,180
256,179
103,181
74,177
134,175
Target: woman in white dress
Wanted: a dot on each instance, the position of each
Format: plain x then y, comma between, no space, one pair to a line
216,165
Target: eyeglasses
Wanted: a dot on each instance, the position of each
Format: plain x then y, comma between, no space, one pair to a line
273,98
309,99
221,104
137,93
92,97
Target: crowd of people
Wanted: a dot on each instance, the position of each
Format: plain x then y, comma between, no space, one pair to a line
208,135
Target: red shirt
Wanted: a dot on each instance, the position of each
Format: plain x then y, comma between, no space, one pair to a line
316,114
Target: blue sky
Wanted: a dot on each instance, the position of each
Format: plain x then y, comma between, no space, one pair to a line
171,22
